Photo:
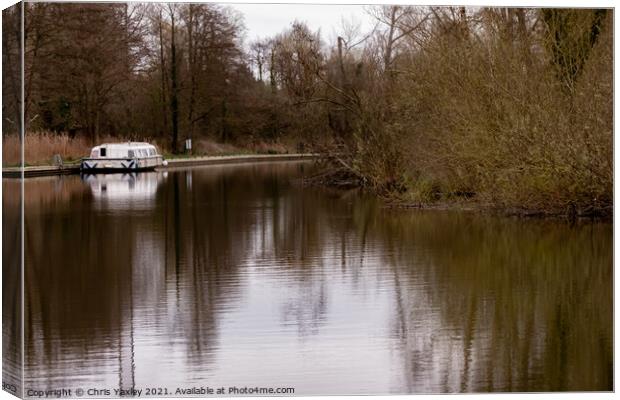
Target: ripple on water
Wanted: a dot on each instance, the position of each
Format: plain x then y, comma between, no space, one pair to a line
241,278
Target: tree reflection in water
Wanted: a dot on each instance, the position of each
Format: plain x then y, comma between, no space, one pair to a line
11,287
240,274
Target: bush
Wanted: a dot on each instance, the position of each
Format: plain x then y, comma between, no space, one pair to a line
493,118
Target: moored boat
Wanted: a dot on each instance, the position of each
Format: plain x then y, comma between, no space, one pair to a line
117,157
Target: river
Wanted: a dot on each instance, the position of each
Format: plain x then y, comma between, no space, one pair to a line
241,276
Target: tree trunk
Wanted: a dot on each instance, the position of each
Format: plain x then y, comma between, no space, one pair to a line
164,106
174,101
463,23
387,55
272,82
192,70
272,73
96,128
224,133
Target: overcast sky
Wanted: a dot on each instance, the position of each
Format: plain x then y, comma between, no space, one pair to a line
266,20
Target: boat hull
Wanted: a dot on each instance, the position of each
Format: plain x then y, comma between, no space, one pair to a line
111,165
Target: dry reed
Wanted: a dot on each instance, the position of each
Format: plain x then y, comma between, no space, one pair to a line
40,148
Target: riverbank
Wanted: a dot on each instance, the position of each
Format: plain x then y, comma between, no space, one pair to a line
409,197
476,206
174,163
40,148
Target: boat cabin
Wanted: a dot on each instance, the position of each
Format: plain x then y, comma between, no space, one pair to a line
123,150
122,156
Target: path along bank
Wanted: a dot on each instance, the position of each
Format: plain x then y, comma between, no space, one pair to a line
48,170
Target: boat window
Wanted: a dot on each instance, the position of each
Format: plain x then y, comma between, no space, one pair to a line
94,154
102,151
130,154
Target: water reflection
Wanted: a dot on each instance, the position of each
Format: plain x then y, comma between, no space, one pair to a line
238,275
11,287
124,191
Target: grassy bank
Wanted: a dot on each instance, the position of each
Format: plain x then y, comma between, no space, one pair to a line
40,148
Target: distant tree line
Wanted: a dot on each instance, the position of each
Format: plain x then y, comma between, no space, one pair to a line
134,70
511,105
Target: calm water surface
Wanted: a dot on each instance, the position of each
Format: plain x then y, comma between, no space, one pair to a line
240,276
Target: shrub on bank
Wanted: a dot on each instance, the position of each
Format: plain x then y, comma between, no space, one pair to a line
493,119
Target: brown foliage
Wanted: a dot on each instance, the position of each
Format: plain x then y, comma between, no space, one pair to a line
491,117
512,107
40,148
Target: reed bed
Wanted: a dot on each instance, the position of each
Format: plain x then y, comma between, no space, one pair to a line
40,148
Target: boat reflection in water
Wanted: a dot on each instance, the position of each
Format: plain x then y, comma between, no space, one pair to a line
241,276
124,195
129,191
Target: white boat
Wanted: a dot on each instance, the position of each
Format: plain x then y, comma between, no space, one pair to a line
130,156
